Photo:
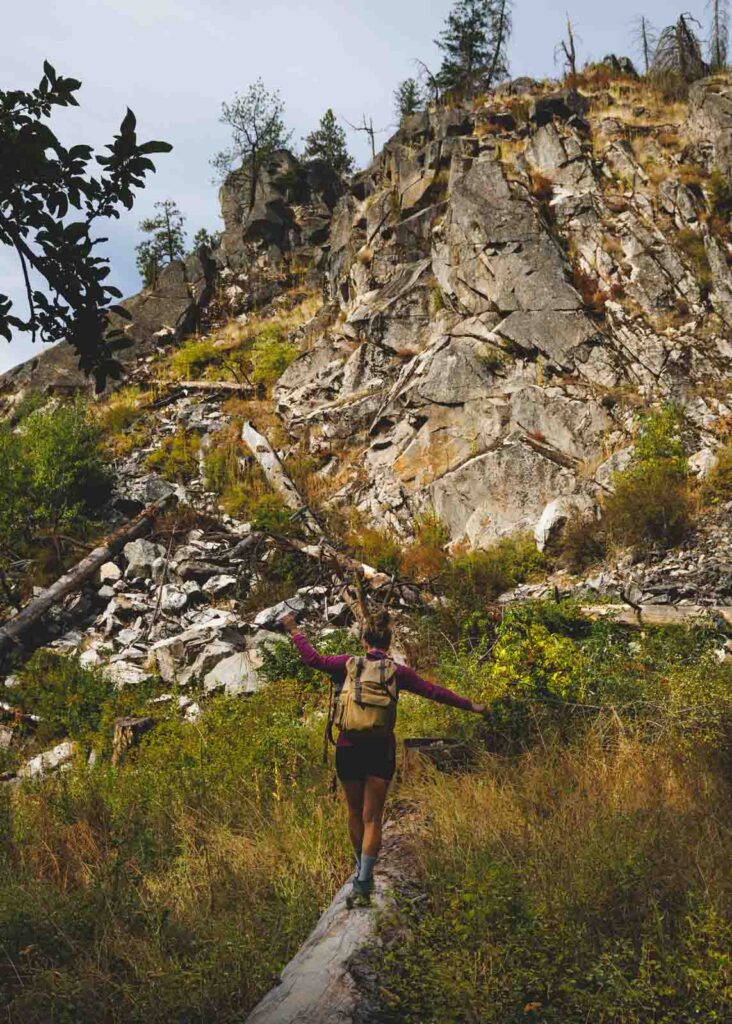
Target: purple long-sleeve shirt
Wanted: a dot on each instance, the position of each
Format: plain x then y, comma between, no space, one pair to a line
334,665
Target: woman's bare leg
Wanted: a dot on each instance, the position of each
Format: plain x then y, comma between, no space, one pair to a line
373,813
354,793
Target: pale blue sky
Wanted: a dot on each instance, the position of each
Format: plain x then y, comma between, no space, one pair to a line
174,61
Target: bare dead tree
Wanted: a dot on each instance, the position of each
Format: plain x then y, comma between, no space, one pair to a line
429,81
502,25
645,39
718,34
568,50
679,51
367,126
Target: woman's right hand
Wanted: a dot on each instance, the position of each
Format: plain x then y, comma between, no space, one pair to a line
478,709
289,623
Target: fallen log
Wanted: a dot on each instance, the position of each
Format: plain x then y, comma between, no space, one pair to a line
12,630
275,472
660,614
205,385
318,985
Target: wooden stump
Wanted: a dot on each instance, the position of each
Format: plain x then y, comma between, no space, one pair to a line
445,754
127,733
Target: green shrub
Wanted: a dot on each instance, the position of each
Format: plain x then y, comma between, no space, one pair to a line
177,886
692,243
473,580
574,884
51,474
271,354
177,457
16,506
269,513
651,505
192,358
281,660
67,697
71,700
716,488
28,404
68,478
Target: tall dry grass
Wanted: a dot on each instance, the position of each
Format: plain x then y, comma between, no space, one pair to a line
577,883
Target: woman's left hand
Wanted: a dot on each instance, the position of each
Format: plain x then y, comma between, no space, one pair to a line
478,709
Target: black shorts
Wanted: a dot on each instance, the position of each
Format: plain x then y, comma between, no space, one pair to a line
375,757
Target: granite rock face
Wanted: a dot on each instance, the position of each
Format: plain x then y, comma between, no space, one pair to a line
484,328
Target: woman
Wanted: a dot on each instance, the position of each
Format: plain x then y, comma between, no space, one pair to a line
365,764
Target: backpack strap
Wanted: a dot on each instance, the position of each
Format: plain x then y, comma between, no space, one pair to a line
358,691
328,737
382,677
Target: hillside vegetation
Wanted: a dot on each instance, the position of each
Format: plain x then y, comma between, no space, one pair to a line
578,869
495,366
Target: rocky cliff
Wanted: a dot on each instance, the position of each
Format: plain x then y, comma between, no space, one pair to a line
504,290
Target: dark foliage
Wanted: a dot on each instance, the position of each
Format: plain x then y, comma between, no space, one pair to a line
49,202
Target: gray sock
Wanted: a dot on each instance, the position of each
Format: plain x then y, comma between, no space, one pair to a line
357,855
366,872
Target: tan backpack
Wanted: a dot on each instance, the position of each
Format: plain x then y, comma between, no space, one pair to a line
367,704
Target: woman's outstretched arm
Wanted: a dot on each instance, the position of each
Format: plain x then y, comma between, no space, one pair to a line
333,664
408,679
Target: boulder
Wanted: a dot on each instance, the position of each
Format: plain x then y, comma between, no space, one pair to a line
173,599
48,761
126,673
211,655
554,517
220,585
563,105
109,573
270,617
141,556
236,674
701,463
710,120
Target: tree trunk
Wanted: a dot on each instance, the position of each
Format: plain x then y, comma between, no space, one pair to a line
205,385
33,613
275,472
659,614
319,985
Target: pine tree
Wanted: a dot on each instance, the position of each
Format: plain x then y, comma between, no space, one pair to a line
408,98
473,44
719,34
205,237
257,129
167,241
328,143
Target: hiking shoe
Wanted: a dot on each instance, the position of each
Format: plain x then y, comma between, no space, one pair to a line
360,894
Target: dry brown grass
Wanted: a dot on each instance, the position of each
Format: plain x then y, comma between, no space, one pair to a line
546,814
